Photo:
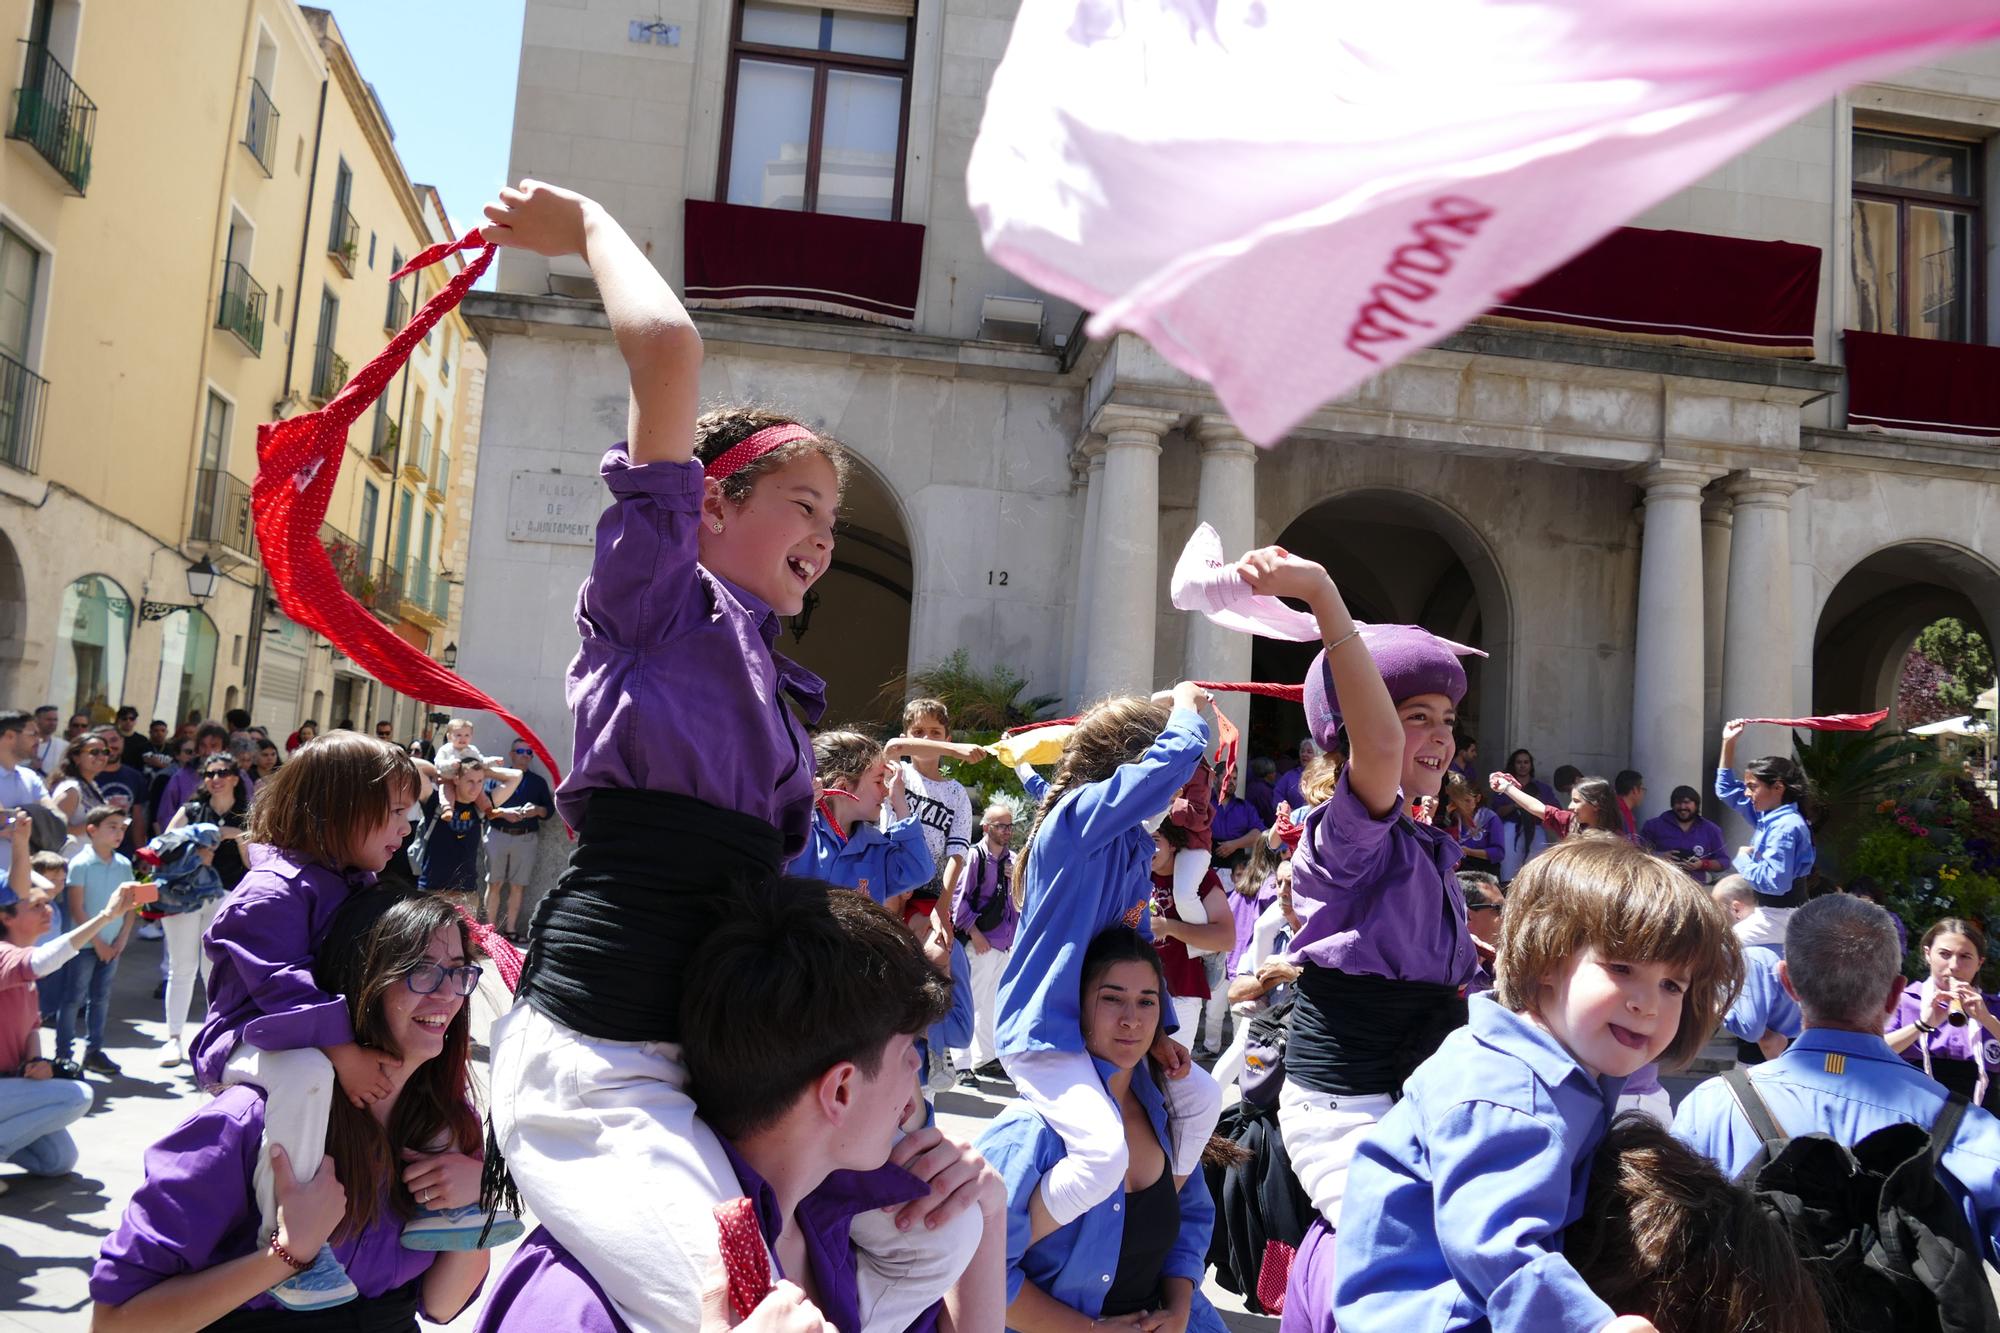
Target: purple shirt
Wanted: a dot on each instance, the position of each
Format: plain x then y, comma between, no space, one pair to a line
1290,791
1488,835
1262,797
544,1287
1948,1042
976,887
1245,909
1383,907
1702,842
260,946
198,1209
676,687
1232,820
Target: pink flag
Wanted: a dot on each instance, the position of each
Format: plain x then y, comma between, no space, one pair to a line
1205,581
1831,722
1286,198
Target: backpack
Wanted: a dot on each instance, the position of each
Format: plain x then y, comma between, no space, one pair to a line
1263,1075
994,909
1885,1242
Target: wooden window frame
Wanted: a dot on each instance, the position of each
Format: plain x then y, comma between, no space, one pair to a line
1971,203
821,63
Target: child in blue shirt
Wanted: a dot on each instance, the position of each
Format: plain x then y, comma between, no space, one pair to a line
845,847
94,876
1780,854
1456,1201
1087,867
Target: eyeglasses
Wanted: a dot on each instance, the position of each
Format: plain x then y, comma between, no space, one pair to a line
93,749
1001,823
425,978
215,773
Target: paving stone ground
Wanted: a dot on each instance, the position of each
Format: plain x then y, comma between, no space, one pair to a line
50,1229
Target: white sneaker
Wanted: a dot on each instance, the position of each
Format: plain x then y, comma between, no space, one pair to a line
175,1056
150,930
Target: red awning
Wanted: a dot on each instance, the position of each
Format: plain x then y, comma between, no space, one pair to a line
1922,384
1681,287
860,268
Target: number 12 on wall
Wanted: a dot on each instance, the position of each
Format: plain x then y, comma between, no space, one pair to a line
996,578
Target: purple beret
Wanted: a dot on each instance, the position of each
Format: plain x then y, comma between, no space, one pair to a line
1412,661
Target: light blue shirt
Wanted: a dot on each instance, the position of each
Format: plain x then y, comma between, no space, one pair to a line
19,786
99,879
1763,1004
1075,1264
878,863
1781,849
1456,1202
1090,867
1847,1085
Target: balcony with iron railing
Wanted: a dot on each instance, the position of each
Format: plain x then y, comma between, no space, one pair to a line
222,514
440,477
260,128
350,564
441,598
417,467
344,243
52,114
23,395
241,309
398,313
418,605
329,373
382,446
387,591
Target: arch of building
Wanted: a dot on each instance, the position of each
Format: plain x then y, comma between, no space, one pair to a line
1873,614
14,626
1404,557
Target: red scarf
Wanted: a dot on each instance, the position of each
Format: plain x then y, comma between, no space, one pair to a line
299,458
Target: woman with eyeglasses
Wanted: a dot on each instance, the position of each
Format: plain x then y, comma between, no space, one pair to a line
218,801
191,1251
76,792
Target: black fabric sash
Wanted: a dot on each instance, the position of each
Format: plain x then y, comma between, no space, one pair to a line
391,1312
1356,1035
613,940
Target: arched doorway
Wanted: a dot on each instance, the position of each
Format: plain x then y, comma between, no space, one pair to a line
13,622
855,632
1874,614
1399,558
93,638
188,642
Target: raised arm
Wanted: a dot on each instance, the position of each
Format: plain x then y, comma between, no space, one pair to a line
1510,786
656,337
1374,731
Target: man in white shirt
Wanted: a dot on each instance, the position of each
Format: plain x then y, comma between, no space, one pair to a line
49,748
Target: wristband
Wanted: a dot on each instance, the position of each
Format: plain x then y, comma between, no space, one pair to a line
1924,1027
1343,638
297,1266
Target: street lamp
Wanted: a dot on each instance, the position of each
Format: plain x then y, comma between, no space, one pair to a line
450,656
201,578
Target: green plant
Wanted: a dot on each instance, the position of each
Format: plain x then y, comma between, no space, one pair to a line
1930,857
1851,772
979,700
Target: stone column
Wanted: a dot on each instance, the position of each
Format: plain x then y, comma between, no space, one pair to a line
1090,462
1125,569
1757,623
1714,598
1667,653
1227,502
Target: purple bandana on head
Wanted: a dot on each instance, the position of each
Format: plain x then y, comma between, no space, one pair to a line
1412,661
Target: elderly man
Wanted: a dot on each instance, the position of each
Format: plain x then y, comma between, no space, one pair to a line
1840,1078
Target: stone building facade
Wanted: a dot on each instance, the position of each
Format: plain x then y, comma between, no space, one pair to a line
1646,536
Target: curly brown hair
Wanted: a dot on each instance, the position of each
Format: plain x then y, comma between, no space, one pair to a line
722,429
1109,734
1600,892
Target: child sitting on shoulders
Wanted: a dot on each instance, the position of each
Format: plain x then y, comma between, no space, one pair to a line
1456,1202
846,847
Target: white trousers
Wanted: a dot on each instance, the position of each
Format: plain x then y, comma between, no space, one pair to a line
185,957
602,1139
1190,868
986,969
1321,1132
298,1097
1064,1089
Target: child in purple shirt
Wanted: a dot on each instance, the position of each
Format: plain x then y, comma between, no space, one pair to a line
691,770
324,824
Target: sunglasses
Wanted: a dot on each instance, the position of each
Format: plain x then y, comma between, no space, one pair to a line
425,978
522,749
215,773
1485,907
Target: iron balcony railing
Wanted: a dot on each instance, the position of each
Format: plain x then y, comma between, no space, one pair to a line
52,113
382,446
441,598
345,242
388,590
222,512
22,396
260,129
399,310
329,373
241,309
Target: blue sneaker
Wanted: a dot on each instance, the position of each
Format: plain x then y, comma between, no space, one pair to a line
323,1285
459,1228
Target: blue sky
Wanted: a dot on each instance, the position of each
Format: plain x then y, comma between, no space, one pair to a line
444,70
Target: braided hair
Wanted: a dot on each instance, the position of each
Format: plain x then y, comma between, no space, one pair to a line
1109,734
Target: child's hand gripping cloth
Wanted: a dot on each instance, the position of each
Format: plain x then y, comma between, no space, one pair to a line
1206,581
1353,182
298,459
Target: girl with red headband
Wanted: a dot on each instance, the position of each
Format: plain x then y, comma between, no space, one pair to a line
691,769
